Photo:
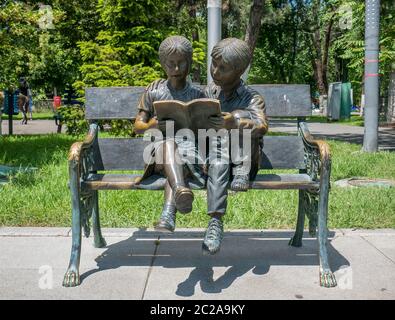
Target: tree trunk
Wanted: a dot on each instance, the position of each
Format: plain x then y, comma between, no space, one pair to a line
325,54
195,37
254,24
253,28
317,62
391,99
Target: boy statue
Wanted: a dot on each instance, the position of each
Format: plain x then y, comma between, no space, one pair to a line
230,59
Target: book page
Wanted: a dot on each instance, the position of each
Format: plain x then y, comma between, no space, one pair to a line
173,110
192,115
201,110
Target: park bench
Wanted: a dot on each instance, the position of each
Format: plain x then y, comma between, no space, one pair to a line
91,159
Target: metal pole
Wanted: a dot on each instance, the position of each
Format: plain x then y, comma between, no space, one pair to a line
372,32
214,33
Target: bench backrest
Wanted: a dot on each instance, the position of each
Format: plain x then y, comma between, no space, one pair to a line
121,102
279,152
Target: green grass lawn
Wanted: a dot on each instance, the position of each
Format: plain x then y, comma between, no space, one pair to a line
42,198
48,115
353,121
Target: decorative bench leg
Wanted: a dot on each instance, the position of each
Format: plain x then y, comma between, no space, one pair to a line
99,241
327,278
72,276
296,240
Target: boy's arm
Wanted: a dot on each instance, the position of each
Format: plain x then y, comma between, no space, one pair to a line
253,117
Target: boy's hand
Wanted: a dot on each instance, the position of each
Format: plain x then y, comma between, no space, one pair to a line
229,121
245,124
216,122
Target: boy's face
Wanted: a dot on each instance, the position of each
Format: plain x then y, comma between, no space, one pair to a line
224,74
176,66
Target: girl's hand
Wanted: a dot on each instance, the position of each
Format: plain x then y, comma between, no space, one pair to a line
153,123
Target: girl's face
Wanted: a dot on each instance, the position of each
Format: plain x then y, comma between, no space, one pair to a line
224,74
177,67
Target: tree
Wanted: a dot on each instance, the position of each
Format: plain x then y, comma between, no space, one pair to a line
40,41
350,46
282,48
124,52
18,41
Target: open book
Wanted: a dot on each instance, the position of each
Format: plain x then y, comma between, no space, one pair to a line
192,115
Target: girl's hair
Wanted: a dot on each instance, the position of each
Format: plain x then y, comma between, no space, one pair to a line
233,51
175,44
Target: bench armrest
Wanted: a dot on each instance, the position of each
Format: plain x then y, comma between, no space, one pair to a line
318,156
77,148
81,156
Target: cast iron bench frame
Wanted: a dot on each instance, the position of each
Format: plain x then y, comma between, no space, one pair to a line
302,152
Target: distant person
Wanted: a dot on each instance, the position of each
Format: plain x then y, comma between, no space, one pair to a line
23,98
30,104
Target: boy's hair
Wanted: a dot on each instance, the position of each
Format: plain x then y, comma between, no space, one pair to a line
233,51
174,44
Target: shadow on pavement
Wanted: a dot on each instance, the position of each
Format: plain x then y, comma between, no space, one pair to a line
241,252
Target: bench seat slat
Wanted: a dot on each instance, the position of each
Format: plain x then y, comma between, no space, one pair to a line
157,182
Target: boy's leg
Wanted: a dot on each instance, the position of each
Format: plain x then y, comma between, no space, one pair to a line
241,163
217,193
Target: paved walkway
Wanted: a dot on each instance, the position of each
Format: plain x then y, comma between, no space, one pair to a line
141,264
32,127
342,132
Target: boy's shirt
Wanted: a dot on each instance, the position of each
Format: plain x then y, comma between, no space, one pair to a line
243,98
161,90
246,99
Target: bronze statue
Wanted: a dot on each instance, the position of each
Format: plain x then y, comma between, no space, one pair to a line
231,58
175,55
245,110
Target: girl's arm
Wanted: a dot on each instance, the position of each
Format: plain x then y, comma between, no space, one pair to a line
144,122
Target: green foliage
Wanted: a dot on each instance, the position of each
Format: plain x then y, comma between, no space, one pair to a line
18,40
74,118
124,52
53,66
199,54
281,55
350,46
41,44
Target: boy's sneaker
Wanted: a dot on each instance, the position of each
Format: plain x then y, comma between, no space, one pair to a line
240,182
213,237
